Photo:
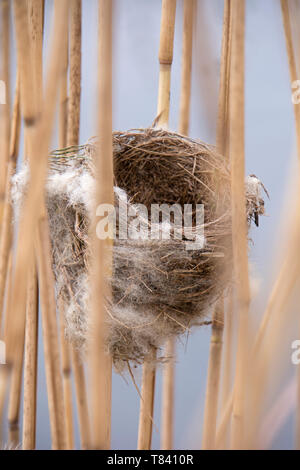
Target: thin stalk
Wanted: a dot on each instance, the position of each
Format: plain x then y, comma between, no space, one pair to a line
146,404
216,342
4,107
99,360
30,363
81,399
239,220
50,337
292,62
66,377
165,60
168,388
186,68
6,227
167,28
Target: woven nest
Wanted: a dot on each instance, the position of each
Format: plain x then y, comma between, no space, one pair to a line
159,287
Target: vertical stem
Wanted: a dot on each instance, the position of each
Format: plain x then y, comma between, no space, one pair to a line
30,363
239,224
66,377
73,139
165,59
4,107
146,406
100,360
168,397
75,74
6,227
167,28
215,355
81,399
213,378
187,49
36,23
50,336
292,62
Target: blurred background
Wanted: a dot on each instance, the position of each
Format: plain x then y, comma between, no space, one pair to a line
270,154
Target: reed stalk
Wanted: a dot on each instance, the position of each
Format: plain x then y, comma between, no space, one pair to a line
186,68
147,404
50,337
73,130
99,360
36,24
239,229
30,363
75,74
184,118
38,131
216,342
81,399
213,378
291,62
168,390
6,228
167,28
66,378
4,107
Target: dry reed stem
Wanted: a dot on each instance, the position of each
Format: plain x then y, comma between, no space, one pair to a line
167,28
168,389
292,62
239,229
187,49
213,378
227,358
73,128
223,111
81,399
75,74
265,356
66,376
4,108
50,336
35,23
38,157
146,405
15,399
216,342
38,132
165,60
64,344
5,370
99,360
36,27
6,228
293,77
166,42
30,363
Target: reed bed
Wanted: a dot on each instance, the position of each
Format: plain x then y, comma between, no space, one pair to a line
118,303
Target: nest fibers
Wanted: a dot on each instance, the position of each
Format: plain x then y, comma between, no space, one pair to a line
161,286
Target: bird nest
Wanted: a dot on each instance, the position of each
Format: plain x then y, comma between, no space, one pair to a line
160,286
